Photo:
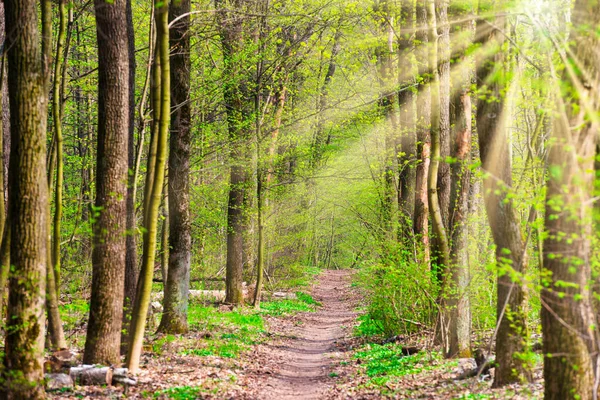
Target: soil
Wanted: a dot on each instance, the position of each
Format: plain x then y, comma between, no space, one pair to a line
304,358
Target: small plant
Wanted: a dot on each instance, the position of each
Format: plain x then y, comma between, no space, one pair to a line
307,298
381,362
179,393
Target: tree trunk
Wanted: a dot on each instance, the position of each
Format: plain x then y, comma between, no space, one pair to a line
238,105
131,256
109,242
55,330
511,255
457,282
443,127
570,338
144,287
174,318
24,347
421,221
406,99
439,228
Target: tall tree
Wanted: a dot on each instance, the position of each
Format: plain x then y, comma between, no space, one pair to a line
239,106
174,318
456,283
570,338
55,329
144,287
435,208
494,147
24,346
421,216
131,257
103,338
406,100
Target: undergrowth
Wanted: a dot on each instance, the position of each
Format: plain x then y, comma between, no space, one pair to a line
383,362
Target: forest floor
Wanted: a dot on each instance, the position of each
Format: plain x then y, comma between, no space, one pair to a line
297,349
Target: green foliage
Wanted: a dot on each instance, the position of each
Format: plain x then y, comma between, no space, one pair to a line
74,313
400,296
382,362
368,326
180,393
304,303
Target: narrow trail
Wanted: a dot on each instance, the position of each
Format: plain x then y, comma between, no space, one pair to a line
304,358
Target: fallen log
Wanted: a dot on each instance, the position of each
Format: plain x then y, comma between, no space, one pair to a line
219,295
121,377
91,375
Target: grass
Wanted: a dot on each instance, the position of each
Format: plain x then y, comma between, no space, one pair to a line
180,393
303,303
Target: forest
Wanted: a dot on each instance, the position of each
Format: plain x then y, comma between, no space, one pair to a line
300,199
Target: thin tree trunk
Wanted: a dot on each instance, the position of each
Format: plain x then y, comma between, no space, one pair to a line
131,257
24,347
144,287
164,243
438,226
174,318
406,99
511,255
102,344
57,123
421,221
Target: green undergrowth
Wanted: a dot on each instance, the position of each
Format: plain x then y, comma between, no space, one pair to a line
381,363
368,326
226,334
73,313
303,303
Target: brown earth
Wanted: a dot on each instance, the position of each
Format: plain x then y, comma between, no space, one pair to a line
303,359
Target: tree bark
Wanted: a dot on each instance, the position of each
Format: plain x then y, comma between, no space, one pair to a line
570,338
131,256
421,221
28,203
174,318
239,106
144,287
102,344
511,255
55,330
406,99
442,32
439,228
458,281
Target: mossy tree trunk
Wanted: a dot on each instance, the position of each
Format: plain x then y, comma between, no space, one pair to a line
24,342
103,338
174,318
55,330
144,287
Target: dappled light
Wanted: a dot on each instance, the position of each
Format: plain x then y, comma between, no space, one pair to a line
309,199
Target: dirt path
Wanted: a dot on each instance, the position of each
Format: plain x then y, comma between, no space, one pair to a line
302,360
